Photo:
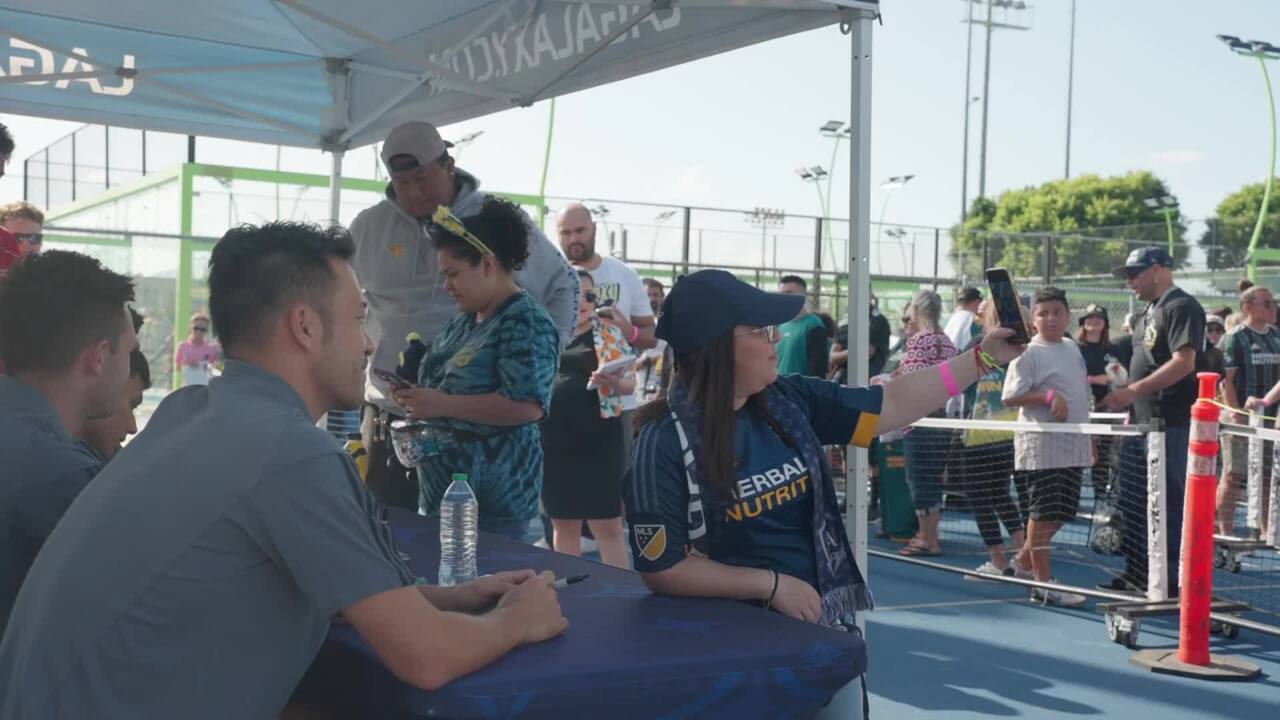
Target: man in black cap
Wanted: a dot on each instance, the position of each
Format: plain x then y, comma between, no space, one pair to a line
1169,338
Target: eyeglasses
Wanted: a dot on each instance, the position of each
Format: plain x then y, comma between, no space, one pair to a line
589,297
32,238
770,332
445,218
199,328
1268,304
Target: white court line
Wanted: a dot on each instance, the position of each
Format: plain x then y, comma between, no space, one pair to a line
957,603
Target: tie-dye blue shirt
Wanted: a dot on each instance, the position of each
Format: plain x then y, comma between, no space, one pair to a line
514,354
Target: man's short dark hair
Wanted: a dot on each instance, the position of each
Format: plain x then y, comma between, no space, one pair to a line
255,272
794,280
138,365
6,140
140,368
968,295
55,304
652,283
1049,293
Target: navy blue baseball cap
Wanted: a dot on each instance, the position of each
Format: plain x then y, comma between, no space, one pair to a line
1143,258
708,304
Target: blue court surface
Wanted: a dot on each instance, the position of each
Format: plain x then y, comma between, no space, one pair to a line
944,647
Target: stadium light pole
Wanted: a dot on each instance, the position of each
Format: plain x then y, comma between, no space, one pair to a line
464,141
1166,205
836,130
1263,51
894,183
816,174
1007,6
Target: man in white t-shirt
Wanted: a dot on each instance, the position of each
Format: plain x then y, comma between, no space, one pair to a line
618,287
620,296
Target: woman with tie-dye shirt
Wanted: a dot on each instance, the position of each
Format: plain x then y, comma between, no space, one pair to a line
487,377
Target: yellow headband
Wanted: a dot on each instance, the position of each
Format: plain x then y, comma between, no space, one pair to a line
445,218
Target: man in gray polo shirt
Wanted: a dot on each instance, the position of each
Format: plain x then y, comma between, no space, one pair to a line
67,338
197,575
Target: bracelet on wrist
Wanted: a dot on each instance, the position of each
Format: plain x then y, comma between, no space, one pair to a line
773,591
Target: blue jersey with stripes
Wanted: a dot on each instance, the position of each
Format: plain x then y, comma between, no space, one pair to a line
768,523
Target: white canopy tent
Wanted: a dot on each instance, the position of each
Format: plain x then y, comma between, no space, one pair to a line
334,74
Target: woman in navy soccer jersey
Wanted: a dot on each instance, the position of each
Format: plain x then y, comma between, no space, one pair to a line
486,380
728,493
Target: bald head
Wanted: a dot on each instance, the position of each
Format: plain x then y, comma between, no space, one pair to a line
577,233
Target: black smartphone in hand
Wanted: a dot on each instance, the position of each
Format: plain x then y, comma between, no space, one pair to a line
1008,306
392,379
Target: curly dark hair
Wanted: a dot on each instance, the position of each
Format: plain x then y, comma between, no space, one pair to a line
255,272
500,224
55,304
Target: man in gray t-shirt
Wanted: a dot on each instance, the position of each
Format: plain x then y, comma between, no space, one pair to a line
68,337
197,576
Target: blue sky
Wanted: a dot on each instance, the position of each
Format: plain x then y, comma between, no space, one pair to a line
1154,90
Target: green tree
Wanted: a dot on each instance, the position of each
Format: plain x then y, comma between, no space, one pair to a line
1226,239
1080,226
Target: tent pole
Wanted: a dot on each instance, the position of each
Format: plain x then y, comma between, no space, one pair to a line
859,270
335,188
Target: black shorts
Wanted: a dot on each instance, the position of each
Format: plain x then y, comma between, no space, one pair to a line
1054,494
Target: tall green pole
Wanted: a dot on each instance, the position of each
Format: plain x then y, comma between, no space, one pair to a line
1168,221
1271,173
182,284
546,163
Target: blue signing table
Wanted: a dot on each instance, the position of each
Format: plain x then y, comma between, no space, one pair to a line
627,654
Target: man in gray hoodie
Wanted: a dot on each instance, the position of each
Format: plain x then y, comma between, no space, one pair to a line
396,265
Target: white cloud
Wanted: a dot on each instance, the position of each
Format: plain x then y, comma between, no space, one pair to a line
1177,156
692,181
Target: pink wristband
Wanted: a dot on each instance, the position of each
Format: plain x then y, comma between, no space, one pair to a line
1048,398
635,333
948,380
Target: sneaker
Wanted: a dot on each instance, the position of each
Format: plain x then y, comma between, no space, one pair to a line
989,568
1057,598
1019,573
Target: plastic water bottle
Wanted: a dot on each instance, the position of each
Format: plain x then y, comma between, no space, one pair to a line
459,513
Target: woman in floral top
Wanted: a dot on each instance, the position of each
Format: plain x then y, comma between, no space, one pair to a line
926,448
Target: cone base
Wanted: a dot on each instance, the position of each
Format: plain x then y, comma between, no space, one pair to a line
1220,667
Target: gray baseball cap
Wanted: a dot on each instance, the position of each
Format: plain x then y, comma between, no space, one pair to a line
419,140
